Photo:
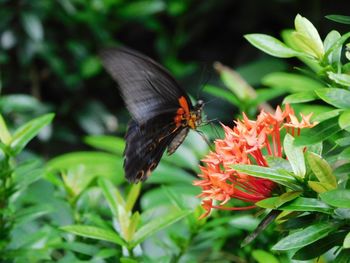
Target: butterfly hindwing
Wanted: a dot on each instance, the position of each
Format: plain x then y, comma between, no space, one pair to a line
145,146
147,88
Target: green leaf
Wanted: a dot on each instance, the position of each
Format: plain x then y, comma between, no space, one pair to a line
278,163
90,66
222,94
235,83
141,8
291,82
321,169
339,98
344,120
5,136
295,156
133,194
112,195
107,143
31,213
339,18
79,247
93,164
337,198
343,256
343,141
275,202
345,154
272,46
33,26
262,256
279,176
319,187
28,131
306,204
133,224
156,225
170,174
346,243
320,132
305,236
128,260
95,233
319,247
300,97
342,79
327,115
27,173
330,40
309,36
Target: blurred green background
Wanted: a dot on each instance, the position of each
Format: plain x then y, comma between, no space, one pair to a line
48,51
49,63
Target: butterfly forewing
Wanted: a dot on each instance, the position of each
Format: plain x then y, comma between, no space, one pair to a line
146,87
156,103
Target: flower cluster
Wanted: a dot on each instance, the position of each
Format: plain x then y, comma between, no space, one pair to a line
247,143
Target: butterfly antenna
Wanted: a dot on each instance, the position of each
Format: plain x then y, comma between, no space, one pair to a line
204,79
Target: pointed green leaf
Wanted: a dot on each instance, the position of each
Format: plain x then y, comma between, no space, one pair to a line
291,82
295,156
300,97
342,79
306,204
339,98
330,40
262,256
33,26
305,236
157,224
327,115
279,176
346,243
339,18
319,133
272,46
28,131
319,187
133,194
321,169
95,233
107,143
222,94
5,136
112,195
313,40
319,247
337,198
275,202
134,222
344,120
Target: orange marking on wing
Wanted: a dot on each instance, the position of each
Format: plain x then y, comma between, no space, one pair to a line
184,105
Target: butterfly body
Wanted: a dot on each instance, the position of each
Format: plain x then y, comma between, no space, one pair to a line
162,113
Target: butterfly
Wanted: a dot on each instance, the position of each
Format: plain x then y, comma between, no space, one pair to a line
162,113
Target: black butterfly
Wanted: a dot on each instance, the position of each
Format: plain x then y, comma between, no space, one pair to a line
162,113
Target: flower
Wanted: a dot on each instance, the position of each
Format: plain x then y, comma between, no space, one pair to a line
249,142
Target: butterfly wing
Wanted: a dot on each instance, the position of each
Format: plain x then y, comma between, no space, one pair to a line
147,88
145,146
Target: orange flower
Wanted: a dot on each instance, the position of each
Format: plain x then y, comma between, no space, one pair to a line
247,143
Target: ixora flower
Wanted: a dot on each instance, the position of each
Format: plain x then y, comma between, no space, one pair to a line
249,142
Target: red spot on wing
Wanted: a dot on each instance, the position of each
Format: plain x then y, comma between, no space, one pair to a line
183,113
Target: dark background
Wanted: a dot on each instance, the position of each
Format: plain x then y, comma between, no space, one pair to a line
49,52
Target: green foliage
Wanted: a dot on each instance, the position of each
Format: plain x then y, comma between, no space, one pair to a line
77,206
